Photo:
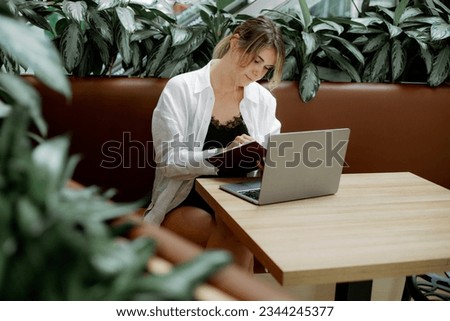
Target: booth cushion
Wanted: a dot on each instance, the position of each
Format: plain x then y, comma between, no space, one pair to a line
394,127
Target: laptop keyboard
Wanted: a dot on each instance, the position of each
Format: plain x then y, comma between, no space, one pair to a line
253,193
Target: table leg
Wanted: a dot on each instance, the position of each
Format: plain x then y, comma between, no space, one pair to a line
354,291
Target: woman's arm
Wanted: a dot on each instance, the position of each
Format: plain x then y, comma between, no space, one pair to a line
176,151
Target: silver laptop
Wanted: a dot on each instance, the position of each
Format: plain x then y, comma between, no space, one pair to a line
298,165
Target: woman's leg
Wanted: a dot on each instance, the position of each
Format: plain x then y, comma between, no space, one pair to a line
198,226
192,223
223,238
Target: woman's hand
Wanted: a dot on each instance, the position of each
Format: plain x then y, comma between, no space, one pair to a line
239,140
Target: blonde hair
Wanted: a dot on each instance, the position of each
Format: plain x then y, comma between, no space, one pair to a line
256,34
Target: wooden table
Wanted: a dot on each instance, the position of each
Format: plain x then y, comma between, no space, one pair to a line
377,225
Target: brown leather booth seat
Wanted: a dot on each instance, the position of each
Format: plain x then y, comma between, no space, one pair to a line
393,127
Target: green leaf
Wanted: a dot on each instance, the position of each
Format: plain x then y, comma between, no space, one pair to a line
328,25
394,31
123,43
89,63
366,21
305,15
377,67
155,13
427,58
159,56
290,68
197,39
398,59
47,170
440,31
385,10
441,67
309,82
442,6
136,57
36,19
101,45
127,19
422,36
110,258
148,45
180,35
100,23
32,48
8,9
361,40
72,46
334,75
144,3
60,27
350,47
174,68
341,62
24,95
409,13
221,4
5,219
30,220
311,42
375,43
364,31
107,4
427,19
143,34
5,109
399,10
109,211
70,167
75,10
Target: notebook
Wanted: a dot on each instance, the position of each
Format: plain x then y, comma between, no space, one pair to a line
298,165
240,159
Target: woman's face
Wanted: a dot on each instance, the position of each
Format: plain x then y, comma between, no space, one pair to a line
257,68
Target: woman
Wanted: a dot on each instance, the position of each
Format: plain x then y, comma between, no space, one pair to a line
217,105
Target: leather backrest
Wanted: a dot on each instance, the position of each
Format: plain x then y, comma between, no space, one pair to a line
393,127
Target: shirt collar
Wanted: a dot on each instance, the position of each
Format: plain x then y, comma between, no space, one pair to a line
251,94
203,81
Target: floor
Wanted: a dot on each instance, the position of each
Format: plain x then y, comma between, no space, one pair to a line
387,289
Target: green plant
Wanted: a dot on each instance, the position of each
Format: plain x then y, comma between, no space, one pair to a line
387,38
438,17
56,242
313,42
130,37
189,47
168,39
39,56
93,37
218,23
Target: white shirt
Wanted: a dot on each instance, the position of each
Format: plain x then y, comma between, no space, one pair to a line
179,127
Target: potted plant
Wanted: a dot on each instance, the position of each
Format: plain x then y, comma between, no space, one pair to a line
383,37
315,49
406,43
438,18
57,243
133,38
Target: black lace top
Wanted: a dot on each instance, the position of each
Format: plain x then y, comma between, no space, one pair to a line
218,136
